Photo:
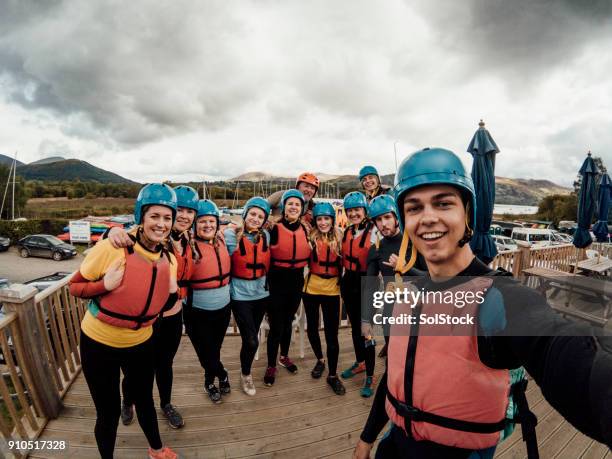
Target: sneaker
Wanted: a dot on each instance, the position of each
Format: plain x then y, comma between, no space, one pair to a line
288,364
383,352
318,369
336,385
367,390
127,414
356,368
270,376
164,453
247,385
213,393
173,416
224,385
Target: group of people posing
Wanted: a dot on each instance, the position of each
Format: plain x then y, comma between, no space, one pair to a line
178,267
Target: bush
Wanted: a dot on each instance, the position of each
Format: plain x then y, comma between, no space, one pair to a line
17,230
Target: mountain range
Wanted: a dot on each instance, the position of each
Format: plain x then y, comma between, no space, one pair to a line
57,168
517,191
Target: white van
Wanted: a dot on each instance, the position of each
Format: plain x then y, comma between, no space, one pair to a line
533,236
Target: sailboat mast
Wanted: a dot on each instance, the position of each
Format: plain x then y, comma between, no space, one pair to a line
14,178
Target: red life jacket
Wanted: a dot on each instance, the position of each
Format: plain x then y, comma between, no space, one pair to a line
183,268
324,262
213,268
355,250
469,413
292,249
251,261
140,297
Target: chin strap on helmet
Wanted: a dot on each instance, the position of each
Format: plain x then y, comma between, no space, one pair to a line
403,267
467,236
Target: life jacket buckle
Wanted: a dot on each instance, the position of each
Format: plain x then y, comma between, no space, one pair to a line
408,411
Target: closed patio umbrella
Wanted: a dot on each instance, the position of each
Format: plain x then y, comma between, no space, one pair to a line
586,203
483,148
600,229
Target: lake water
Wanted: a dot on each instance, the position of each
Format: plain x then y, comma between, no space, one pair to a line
501,209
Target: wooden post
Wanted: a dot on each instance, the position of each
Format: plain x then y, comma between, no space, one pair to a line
20,299
524,259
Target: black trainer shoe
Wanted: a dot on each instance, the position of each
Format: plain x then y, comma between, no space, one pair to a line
213,393
318,369
174,417
224,385
336,385
127,414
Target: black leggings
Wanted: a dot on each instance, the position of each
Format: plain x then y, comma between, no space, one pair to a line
167,332
285,295
248,315
396,444
188,321
330,305
350,288
209,328
102,367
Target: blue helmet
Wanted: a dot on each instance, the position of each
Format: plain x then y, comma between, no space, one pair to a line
186,197
355,199
260,203
292,193
381,205
324,209
432,166
367,170
153,194
207,207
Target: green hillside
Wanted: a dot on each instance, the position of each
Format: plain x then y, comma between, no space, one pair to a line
69,169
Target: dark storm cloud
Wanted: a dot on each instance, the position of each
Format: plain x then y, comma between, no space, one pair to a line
138,71
520,40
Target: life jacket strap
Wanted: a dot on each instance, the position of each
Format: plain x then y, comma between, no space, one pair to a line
413,414
140,319
292,261
208,279
526,418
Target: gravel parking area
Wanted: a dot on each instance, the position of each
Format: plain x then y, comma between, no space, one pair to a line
17,269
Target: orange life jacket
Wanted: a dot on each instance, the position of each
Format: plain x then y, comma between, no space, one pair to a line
355,250
249,260
469,413
183,268
213,268
292,249
140,297
324,262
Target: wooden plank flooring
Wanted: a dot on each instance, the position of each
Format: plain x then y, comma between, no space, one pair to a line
298,417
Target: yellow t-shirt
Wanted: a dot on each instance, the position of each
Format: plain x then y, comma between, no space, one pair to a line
317,285
93,268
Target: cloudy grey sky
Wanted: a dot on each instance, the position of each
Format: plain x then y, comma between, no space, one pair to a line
193,89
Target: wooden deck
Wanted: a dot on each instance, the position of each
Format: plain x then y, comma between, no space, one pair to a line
298,418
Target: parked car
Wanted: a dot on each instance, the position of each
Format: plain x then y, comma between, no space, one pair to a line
45,245
562,237
5,242
504,243
535,236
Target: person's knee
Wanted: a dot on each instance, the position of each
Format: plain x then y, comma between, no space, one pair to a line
251,343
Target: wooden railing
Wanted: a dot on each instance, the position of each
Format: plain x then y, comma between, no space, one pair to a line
39,338
559,257
604,248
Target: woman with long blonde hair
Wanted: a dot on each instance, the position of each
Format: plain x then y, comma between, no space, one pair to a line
322,290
